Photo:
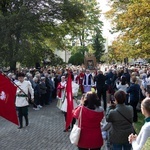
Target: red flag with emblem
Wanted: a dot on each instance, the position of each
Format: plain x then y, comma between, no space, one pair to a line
69,116
7,99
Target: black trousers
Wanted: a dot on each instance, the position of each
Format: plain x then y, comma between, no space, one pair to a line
23,111
101,93
135,114
36,100
43,99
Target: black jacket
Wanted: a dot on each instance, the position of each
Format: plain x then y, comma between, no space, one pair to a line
100,81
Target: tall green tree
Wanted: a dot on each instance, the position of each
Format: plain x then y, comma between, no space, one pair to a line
98,45
28,28
84,32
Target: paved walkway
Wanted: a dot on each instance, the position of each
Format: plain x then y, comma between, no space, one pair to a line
45,132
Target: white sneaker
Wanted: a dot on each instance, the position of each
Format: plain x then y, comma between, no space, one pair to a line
39,106
36,108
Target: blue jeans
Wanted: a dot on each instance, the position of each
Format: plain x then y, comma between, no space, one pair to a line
125,146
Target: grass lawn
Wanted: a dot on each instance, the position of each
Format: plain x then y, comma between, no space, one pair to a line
140,122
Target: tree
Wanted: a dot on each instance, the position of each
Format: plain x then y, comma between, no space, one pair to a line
98,45
83,33
131,19
77,57
30,27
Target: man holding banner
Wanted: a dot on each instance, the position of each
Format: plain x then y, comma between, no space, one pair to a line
23,90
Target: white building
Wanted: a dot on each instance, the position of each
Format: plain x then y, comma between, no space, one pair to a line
65,55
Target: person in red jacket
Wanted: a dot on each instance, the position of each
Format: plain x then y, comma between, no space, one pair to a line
61,92
92,115
61,88
79,80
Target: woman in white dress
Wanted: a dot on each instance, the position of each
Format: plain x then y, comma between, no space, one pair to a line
61,92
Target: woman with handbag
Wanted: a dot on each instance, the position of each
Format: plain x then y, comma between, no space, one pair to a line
90,119
121,117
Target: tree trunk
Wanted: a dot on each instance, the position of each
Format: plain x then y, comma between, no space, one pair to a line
13,65
10,58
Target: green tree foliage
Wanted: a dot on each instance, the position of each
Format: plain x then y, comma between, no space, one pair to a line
98,45
131,19
85,33
79,49
85,30
28,28
77,57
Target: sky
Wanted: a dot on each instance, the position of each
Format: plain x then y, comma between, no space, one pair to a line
107,25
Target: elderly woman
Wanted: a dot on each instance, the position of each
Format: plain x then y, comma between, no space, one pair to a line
92,115
121,117
138,141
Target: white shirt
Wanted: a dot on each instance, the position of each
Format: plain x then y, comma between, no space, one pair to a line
75,89
142,137
122,87
26,87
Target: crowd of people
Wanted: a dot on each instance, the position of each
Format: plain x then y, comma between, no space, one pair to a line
118,91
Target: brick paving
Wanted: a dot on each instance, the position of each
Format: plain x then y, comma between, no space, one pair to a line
45,131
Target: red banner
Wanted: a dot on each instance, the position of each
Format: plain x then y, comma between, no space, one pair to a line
7,99
69,101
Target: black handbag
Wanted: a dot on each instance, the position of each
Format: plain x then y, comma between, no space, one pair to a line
134,132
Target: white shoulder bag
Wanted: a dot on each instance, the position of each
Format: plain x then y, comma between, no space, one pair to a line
76,130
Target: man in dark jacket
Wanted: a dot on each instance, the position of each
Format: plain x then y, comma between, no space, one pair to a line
127,75
134,96
48,89
101,87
